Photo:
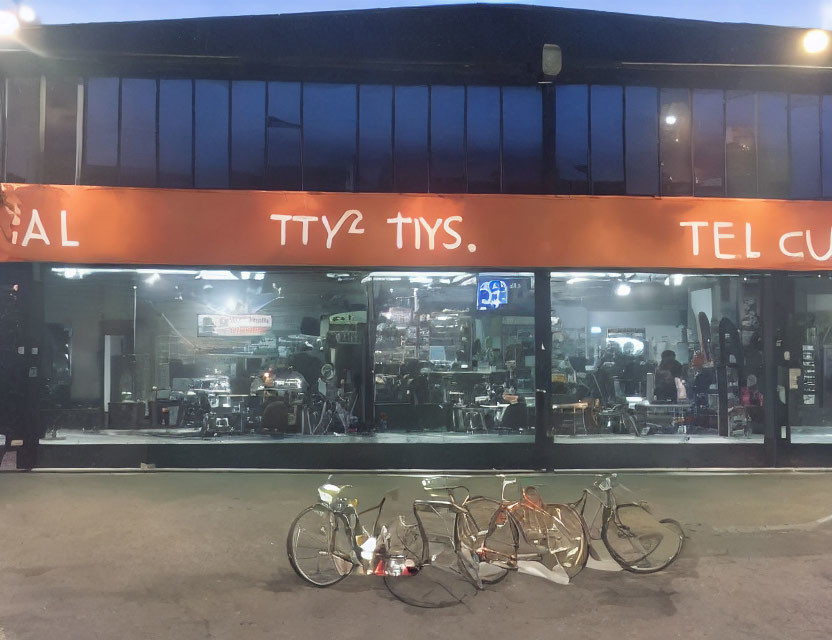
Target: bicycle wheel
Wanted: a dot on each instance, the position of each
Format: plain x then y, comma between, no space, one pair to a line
569,537
496,544
318,546
639,542
425,585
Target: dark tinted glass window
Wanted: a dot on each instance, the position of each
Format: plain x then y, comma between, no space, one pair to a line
248,134
176,133
572,138
483,139
607,139
772,145
283,170
641,122
329,126
741,143
138,133
411,139
447,139
211,134
375,138
674,127
23,125
708,143
101,131
60,144
804,146
522,140
826,145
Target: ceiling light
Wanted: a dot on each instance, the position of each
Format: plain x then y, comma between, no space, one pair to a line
670,119
622,289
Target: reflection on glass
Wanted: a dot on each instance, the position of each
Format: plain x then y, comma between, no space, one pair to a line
607,136
708,143
483,139
522,140
137,166
572,138
671,356
772,145
176,133
741,143
674,128
329,126
61,125
642,145
211,134
454,352
283,167
804,146
411,139
101,131
447,139
375,138
248,134
236,356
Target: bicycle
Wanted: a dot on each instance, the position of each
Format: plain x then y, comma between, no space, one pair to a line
530,535
635,539
326,542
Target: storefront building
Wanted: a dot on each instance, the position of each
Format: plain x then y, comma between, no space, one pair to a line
405,239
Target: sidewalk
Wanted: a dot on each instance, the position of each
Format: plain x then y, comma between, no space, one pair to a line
202,555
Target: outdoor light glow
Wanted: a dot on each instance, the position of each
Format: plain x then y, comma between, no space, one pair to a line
9,24
623,289
595,329
154,277
815,41
677,279
26,13
671,119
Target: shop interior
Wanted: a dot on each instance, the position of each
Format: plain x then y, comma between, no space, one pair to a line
231,356
656,355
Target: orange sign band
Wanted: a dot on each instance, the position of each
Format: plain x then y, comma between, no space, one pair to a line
104,225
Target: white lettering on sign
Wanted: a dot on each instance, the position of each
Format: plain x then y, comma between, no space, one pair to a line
65,241
811,248
786,252
331,232
695,226
749,252
31,234
722,236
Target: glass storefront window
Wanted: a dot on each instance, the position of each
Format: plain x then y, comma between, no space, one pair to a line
283,123
607,140
483,140
60,148
708,143
375,137
211,134
101,131
664,356
808,343
804,146
572,138
447,139
411,139
453,353
741,143
772,146
522,140
248,134
176,133
140,355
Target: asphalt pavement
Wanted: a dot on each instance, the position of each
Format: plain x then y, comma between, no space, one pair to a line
195,555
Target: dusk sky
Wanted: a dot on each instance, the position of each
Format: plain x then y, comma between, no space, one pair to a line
799,13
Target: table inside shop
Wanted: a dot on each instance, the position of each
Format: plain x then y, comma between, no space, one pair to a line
572,409
677,411
477,414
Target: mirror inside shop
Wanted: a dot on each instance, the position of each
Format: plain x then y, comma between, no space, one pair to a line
231,356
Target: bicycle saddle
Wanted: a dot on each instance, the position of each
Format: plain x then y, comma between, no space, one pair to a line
330,492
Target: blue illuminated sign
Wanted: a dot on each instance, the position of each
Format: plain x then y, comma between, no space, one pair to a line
492,294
